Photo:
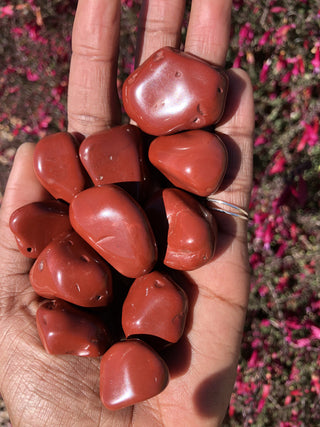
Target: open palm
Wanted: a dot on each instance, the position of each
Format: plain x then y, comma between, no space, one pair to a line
40,389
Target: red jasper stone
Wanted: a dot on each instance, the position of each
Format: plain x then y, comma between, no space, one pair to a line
58,167
155,305
174,91
192,231
115,225
66,329
69,269
195,161
36,224
131,372
113,155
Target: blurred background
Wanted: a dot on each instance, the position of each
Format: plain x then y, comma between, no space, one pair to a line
278,44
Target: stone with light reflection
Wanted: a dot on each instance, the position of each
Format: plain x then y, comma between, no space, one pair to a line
195,161
174,91
67,329
69,269
131,372
34,225
115,225
155,305
57,165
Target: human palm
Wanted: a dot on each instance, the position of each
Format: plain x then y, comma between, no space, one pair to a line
41,389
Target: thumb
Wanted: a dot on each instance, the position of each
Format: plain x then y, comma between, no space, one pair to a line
22,188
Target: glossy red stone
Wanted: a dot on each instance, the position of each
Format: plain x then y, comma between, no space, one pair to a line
157,306
195,161
131,372
174,91
115,225
113,155
58,167
66,329
36,224
69,269
192,231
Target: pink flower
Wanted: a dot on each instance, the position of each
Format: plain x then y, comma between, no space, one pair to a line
237,4
298,67
315,384
278,9
265,38
303,342
294,374
256,343
281,63
268,236
265,393
6,10
237,60
255,260
265,322
17,30
128,3
264,70
282,283
293,232
315,332
264,290
231,410
45,122
246,34
281,33
281,250
279,163
293,324
310,135
296,393
260,140
287,401
287,77
31,76
315,305
316,60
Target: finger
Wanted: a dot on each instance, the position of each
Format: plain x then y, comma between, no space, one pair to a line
22,188
159,25
223,292
236,128
93,102
209,30
220,297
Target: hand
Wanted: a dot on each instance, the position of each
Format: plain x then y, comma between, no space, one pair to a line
40,389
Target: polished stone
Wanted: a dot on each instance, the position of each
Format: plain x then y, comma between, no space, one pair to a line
115,225
69,269
131,372
174,91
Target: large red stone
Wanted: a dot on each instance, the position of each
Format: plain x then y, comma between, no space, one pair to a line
113,155
174,91
58,167
69,269
115,225
67,329
131,372
36,224
192,231
157,306
195,161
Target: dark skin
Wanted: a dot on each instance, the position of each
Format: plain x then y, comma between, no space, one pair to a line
40,389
